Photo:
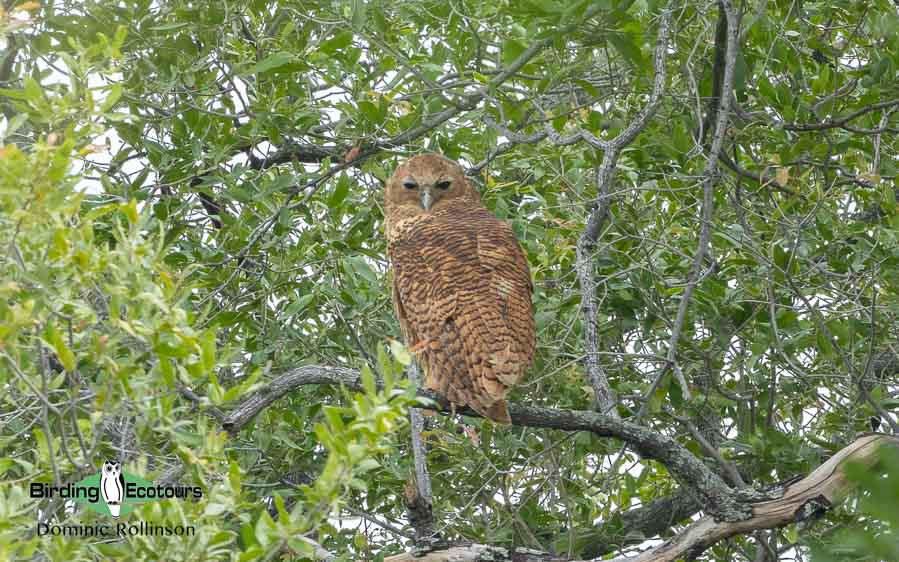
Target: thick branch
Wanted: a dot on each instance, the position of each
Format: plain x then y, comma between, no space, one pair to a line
640,523
603,394
312,374
706,486
801,500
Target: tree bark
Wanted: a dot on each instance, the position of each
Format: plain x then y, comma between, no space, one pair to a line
810,497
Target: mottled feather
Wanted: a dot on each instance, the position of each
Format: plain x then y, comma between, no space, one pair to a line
461,286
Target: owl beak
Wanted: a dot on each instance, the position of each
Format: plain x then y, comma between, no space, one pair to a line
427,197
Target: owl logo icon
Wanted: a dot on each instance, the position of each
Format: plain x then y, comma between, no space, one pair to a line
112,485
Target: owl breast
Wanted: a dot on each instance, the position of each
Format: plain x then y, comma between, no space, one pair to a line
462,291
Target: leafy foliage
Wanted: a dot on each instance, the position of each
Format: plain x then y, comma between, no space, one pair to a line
874,538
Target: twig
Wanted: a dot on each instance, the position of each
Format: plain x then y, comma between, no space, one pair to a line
198,400
839,122
728,468
374,520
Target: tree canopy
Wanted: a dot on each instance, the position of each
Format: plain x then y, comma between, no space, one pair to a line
193,276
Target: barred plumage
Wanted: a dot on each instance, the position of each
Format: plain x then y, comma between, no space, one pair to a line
461,285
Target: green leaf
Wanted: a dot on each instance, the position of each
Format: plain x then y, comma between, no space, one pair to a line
675,395
825,347
341,189
14,124
130,211
371,112
332,414
115,92
62,351
512,49
368,381
337,43
271,62
367,465
33,91
625,45
359,485
658,397
360,268
208,350
13,94
400,353
298,305
359,14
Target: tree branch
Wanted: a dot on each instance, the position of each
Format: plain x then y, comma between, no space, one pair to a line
710,178
419,502
826,485
640,523
840,122
401,139
801,500
706,486
605,398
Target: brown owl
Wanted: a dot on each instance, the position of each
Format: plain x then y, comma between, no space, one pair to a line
461,285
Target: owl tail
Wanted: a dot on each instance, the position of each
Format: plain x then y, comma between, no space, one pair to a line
498,412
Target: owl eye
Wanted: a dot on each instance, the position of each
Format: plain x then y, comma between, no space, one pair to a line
443,184
410,185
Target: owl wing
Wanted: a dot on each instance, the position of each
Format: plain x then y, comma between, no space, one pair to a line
420,295
462,291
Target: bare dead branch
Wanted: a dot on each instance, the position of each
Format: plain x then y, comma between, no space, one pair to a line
478,553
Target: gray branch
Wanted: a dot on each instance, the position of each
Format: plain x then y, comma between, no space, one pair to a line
710,178
703,484
420,503
605,398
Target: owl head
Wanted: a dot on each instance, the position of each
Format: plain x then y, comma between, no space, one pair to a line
111,468
428,182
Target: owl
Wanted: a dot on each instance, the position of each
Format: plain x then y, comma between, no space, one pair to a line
461,286
112,485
